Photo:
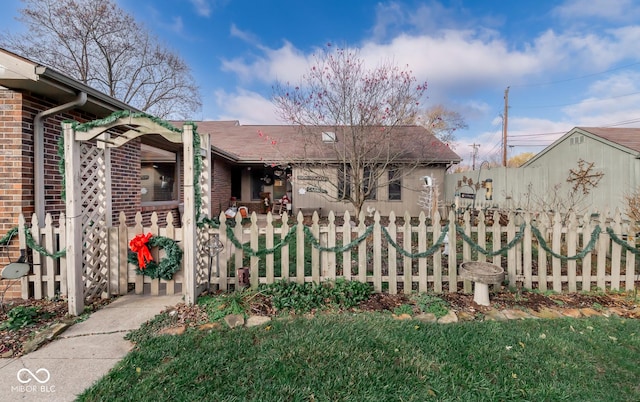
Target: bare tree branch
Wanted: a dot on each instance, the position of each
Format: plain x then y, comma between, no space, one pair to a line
99,44
368,110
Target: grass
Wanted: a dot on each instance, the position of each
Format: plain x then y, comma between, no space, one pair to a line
371,357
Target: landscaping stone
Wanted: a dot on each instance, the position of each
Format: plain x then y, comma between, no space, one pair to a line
43,336
617,311
450,318
465,316
179,330
257,320
494,315
234,320
511,314
589,312
427,317
209,326
572,312
404,316
546,313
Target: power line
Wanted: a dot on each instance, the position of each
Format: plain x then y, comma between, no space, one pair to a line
578,103
539,84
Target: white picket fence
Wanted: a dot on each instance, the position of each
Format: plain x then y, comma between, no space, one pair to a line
377,260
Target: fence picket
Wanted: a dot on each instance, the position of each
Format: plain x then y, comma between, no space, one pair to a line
330,257
466,251
437,256
422,247
170,232
603,248
616,252
137,229
300,249
571,239
556,244
284,253
346,239
37,259
392,254
269,245
527,263
155,253
406,261
377,253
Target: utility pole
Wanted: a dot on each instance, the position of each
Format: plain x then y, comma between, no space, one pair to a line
504,127
474,154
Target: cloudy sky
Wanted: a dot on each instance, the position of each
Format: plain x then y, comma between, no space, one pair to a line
567,63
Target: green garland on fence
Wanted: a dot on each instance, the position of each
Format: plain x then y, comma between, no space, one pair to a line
262,252
166,267
590,246
435,247
8,236
518,237
31,243
337,249
621,242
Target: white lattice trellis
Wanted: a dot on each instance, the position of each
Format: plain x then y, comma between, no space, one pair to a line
88,192
96,218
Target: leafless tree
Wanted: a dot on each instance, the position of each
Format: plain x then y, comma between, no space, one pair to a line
99,44
442,122
353,121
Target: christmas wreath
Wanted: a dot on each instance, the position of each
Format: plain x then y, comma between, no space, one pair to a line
140,256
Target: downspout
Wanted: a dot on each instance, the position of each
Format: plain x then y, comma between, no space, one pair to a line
38,150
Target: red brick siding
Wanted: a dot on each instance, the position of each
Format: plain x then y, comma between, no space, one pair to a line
221,189
125,181
17,111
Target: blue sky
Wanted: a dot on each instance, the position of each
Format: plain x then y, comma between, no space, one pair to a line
568,63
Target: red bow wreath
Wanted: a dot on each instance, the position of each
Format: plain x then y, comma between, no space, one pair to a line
139,246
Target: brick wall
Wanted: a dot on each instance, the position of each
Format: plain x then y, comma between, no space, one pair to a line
17,112
125,180
13,165
221,189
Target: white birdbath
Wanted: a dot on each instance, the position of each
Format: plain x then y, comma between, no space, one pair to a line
482,274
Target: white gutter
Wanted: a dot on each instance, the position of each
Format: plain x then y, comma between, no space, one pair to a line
38,150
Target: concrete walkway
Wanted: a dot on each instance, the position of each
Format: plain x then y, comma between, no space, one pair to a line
81,355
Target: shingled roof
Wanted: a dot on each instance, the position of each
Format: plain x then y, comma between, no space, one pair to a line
281,143
627,137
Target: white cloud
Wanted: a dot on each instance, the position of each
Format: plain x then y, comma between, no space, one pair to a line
611,10
284,64
246,106
245,36
612,100
202,7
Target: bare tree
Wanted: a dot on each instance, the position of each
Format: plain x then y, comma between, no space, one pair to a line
442,122
353,122
99,44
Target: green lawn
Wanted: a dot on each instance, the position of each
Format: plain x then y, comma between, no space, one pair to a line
372,357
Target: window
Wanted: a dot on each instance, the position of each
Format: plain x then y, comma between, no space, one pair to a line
158,175
369,183
328,136
257,183
236,182
344,182
158,182
395,185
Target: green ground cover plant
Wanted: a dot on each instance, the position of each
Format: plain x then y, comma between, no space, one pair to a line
372,357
